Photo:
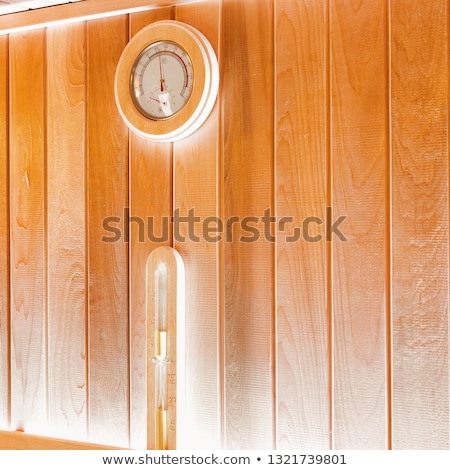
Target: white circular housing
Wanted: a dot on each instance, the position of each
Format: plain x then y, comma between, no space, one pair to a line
166,81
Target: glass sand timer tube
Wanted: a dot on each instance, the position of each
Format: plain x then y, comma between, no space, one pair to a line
161,360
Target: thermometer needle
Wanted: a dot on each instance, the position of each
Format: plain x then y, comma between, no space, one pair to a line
161,79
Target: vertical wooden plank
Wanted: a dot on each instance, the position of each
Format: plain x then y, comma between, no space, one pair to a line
247,145
28,261
196,173
360,139
66,196
4,237
420,224
151,203
107,254
303,404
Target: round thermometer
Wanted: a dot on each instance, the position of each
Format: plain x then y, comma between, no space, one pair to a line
166,81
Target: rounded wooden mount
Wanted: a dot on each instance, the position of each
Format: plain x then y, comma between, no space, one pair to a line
165,366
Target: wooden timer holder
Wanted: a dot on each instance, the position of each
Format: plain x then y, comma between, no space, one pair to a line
166,349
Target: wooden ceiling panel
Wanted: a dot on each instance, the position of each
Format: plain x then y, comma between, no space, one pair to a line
14,6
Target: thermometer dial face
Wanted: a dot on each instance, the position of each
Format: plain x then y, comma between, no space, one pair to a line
161,80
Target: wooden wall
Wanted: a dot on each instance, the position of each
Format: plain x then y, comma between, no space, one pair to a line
299,339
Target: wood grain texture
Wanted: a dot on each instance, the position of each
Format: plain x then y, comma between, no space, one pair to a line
359,134
108,259
248,270
265,366
27,229
303,406
196,173
4,238
22,441
420,224
151,201
66,196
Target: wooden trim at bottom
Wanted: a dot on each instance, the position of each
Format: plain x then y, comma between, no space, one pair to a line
15,440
